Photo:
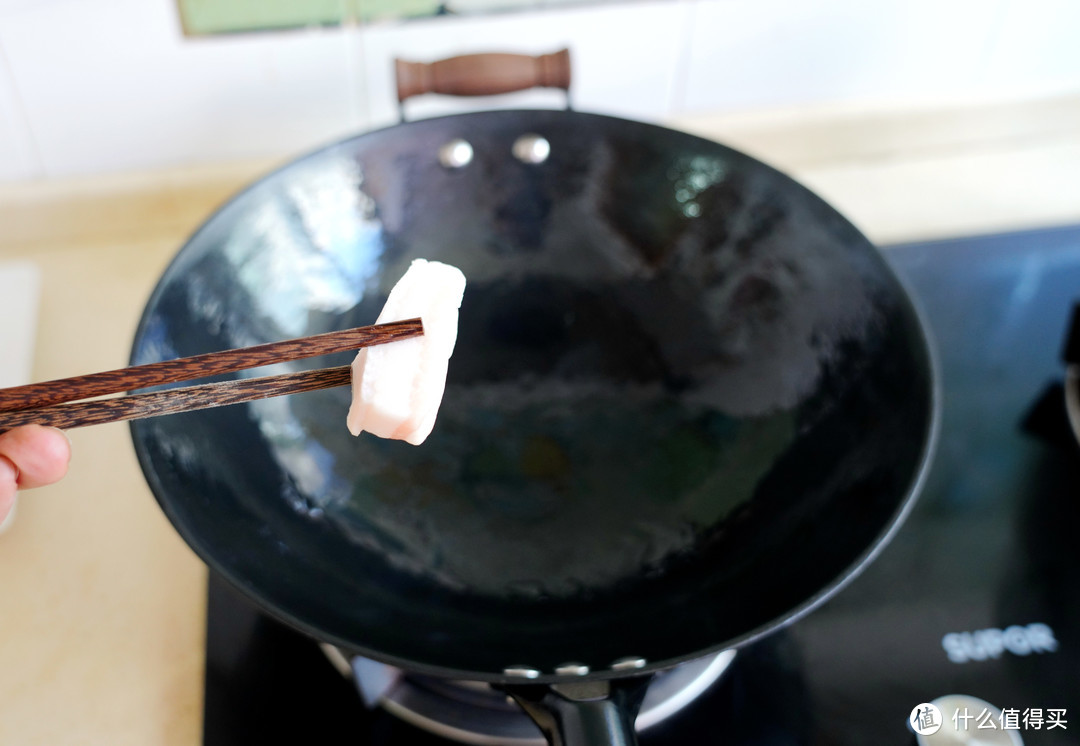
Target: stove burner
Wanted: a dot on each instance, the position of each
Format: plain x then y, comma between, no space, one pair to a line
473,712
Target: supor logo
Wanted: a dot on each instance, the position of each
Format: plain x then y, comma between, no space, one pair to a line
925,719
984,644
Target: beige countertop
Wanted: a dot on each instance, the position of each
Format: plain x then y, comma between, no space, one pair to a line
101,631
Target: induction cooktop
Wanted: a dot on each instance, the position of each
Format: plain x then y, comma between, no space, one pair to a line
974,607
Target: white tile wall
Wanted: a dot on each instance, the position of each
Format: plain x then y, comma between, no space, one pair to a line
783,52
106,85
624,58
17,158
1038,47
113,85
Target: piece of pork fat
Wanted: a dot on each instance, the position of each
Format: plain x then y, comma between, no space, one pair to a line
397,387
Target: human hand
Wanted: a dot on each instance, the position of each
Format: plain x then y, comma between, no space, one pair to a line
30,456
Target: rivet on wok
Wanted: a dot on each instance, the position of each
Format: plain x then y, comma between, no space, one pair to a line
455,154
572,669
523,671
531,149
628,664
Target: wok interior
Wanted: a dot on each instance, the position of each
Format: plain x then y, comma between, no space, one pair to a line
686,398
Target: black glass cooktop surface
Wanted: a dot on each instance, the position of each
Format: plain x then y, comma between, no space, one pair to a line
977,595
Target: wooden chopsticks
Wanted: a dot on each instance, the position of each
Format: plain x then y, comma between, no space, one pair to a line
57,403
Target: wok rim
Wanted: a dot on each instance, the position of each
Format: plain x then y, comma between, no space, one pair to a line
918,478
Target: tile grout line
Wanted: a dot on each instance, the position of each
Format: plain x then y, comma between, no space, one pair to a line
683,53
350,27
22,114
358,59
992,41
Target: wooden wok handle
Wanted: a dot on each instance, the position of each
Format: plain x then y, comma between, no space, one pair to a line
483,74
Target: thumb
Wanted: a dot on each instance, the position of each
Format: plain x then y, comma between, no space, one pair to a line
9,478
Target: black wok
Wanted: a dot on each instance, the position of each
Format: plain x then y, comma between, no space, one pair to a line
688,401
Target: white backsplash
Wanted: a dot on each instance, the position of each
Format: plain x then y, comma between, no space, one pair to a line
779,53
114,85
1038,46
89,86
17,158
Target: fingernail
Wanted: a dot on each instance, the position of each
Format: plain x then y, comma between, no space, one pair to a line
9,519
7,466
70,449
62,433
